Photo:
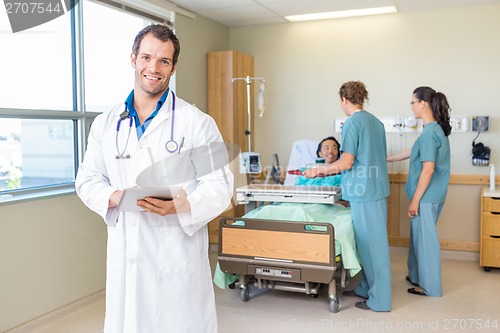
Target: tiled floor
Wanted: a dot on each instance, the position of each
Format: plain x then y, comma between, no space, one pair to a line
470,303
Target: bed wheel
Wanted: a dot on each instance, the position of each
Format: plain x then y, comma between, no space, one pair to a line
487,269
335,304
231,285
245,293
314,295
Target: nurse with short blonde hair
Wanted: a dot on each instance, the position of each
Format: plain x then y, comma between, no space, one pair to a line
365,184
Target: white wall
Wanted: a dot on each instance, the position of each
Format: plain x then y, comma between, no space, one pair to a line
52,253
197,38
456,51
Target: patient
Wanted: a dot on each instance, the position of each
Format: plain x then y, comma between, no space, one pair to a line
339,214
328,149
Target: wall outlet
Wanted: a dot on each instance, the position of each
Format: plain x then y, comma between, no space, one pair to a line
459,124
401,124
337,126
480,123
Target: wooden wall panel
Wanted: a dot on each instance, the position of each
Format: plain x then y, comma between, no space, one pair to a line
227,104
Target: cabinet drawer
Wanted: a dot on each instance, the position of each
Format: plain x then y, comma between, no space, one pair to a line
491,204
491,224
490,252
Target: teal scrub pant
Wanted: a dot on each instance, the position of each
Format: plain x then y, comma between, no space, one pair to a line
424,253
370,232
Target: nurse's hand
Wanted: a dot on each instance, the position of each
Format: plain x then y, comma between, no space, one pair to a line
179,204
413,209
314,172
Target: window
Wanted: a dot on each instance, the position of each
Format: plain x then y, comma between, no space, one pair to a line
56,81
37,152
37,66
108,73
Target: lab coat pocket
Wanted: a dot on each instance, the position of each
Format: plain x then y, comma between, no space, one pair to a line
116,248
179,253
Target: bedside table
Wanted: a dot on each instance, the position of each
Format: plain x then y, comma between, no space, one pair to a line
489,249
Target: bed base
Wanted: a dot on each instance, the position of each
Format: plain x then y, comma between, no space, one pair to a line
281,255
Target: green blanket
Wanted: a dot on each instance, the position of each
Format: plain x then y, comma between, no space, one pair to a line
338,215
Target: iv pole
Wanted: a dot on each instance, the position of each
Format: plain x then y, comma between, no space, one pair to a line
248,81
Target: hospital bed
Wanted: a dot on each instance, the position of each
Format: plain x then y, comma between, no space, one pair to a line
296,251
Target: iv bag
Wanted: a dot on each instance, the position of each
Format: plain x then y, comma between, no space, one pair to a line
261,99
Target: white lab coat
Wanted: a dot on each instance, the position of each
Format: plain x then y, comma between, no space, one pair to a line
158,272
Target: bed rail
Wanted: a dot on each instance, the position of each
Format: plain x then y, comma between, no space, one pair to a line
288,193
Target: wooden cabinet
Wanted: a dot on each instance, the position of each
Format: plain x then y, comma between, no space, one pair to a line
227,104
490,229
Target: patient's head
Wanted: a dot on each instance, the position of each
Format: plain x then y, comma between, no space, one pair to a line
328,148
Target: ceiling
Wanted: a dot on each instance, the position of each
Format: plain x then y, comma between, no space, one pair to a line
237,13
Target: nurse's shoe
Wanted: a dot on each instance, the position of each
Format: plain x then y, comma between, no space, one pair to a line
362,305
351,293
417,292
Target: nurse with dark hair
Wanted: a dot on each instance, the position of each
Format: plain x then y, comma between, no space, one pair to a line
426,187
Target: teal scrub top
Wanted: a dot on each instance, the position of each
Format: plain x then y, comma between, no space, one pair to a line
335,180
363,135
431,146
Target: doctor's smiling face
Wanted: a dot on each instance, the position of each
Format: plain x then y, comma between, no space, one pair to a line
154,65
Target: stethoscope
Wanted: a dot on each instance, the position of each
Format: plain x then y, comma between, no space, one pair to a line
171,145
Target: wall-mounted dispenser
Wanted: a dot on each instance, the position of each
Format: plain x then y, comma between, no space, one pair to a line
480,153
480,123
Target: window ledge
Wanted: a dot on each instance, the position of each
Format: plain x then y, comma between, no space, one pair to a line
8,197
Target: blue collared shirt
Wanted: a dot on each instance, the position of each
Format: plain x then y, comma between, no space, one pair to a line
129,103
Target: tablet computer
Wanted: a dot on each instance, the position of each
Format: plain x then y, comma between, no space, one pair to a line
128,202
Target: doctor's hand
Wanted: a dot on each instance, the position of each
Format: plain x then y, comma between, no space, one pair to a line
115,198
179,204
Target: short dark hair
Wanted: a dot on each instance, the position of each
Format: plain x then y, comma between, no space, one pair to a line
326,139
163,33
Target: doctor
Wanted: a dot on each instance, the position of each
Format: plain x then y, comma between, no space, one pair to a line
158,272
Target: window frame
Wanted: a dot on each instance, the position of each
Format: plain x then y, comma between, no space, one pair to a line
81,118
82,121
